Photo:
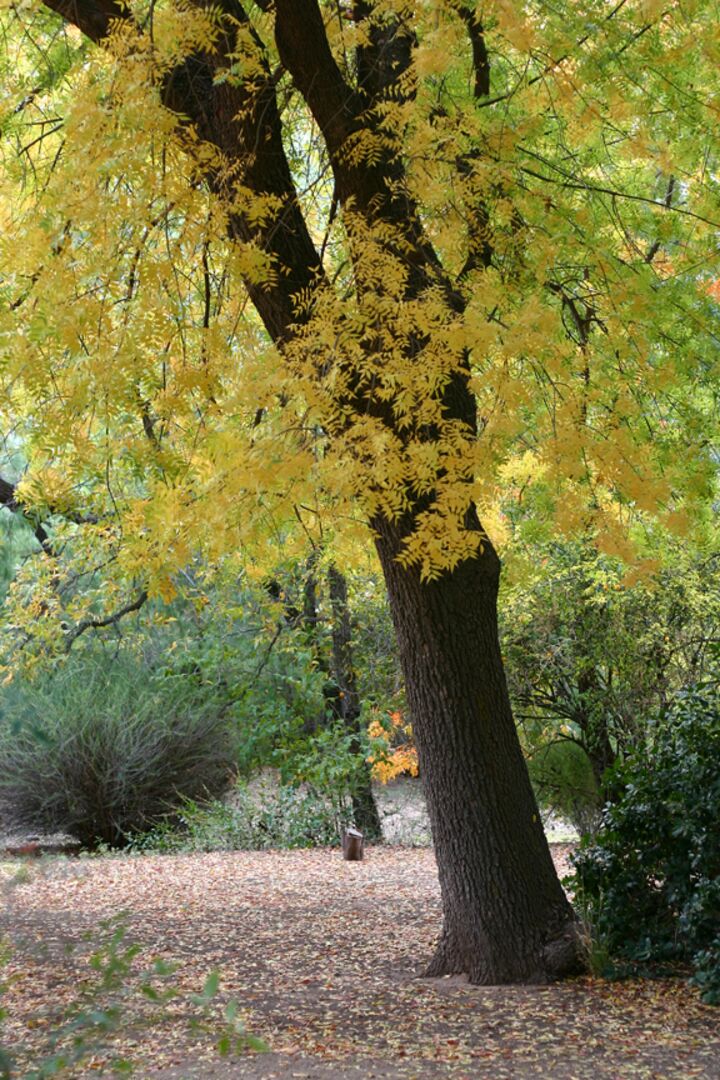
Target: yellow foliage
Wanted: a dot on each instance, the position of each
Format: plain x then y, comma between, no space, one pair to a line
141,383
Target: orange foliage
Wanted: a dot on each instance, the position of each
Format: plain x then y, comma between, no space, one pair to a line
388,760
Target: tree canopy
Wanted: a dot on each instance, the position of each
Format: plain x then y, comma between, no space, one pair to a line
548,238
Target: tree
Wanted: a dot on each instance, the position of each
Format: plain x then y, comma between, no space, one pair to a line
593,663
476,242
346,701
341,698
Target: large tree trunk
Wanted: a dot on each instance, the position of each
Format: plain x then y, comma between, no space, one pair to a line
506,916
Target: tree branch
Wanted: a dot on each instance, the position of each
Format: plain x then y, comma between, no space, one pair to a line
655,246
578,44
481,59
110,620
94,18
241,119
384,57
305,51
567,180
8,498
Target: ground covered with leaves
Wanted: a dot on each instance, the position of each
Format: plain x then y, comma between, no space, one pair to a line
323,959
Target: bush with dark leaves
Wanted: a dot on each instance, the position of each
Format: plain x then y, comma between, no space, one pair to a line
648,882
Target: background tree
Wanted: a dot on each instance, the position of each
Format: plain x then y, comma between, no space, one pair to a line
477,243
348,705
594,662
333,658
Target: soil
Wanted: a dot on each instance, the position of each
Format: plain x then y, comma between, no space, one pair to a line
325,960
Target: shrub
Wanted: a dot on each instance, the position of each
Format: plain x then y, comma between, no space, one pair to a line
288,818
102,750
649,881
563,780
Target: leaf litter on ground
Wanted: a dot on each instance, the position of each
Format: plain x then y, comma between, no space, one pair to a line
321,961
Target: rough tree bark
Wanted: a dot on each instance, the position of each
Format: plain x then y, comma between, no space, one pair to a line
506,917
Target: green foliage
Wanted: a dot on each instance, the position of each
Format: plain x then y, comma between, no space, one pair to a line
380,678
287,818
16,540
221,681
119,977
562,775
649,882
591,659
330,764
104,747
249,650
235,645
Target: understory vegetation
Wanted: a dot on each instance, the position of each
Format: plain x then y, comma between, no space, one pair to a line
149,736
648,881
284,817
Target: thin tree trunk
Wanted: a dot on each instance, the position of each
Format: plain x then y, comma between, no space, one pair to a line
365,809
311,626
595,734
602,756
506,916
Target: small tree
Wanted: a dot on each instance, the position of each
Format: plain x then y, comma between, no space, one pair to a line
592,660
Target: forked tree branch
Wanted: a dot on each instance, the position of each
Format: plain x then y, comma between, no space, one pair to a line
241,119
305,51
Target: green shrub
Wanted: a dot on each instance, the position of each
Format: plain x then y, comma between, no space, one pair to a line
112,998
591,659
287,818
105,749
564,782
649,881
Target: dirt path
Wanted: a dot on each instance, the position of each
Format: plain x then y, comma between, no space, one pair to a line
323,958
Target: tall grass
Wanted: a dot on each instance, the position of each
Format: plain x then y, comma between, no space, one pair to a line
104,748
